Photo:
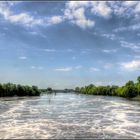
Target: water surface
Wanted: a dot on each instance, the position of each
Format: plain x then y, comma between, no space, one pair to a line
68,115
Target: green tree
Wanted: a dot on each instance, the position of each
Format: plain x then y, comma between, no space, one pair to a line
49,90
138,79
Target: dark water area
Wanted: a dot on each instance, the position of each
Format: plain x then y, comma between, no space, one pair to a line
69,115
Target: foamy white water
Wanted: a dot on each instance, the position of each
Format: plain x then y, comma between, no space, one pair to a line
68,115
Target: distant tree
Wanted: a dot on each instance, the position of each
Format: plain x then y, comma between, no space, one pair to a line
129,83
49,90
77,89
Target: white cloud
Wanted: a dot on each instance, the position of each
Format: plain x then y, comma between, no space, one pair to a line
81,20
49,50
83,23
137,9
110,36
67,69
37,67
134,27
21,18
76,4
120,29
110,51
75,12
79,13
92,69
133,65
23,57
132,46
129,28
26,19
101,8
125,8
129,3
55,19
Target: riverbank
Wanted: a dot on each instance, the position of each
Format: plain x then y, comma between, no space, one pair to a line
10,90
129,90
137,98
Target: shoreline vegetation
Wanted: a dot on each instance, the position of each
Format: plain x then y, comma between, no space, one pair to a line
10,90
50,90
130,90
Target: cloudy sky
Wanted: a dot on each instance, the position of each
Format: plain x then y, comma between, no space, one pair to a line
68,44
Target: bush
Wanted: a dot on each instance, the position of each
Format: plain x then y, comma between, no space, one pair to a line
130,89
10,89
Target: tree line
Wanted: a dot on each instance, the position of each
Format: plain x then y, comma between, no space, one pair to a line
10,89
129,90
48,90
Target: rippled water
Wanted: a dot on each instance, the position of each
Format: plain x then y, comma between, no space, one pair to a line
68,115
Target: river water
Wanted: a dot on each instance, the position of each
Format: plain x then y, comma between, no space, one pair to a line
69,115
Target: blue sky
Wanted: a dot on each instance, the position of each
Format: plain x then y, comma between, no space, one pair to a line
69,44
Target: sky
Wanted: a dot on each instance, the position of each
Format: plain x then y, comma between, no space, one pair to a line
69,43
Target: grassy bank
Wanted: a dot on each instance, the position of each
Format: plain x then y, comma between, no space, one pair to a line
129,90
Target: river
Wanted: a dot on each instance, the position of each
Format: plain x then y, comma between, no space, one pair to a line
69,115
